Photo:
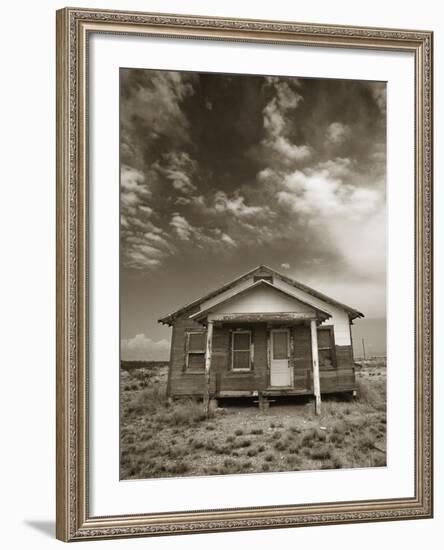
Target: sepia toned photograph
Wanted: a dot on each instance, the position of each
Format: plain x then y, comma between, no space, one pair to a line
252,274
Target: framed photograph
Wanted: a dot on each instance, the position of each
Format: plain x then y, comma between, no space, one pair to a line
244,274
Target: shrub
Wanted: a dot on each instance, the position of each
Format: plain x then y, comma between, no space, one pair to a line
308,437
320,453
221,450
336,438
365,443
372,393
280,445
239,432
257,431
229,463
337,462
147,401
380,461
293,460
187,413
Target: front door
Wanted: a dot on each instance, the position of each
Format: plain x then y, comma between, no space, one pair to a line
280,371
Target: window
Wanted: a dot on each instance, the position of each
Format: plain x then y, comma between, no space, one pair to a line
326,347
195,352
280,344
241,350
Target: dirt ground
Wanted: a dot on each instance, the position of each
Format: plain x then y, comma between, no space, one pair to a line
165,440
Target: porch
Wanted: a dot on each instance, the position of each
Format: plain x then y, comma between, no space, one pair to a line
266,354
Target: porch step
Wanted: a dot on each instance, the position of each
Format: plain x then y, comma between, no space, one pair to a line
285,391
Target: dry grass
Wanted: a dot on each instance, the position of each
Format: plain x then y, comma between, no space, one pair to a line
163,440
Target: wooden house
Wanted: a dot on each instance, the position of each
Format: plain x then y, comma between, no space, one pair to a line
263,334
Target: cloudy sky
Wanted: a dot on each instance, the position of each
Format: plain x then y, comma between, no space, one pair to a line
220,173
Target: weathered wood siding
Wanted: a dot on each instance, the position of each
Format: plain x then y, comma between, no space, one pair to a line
300,356
340,377
223,379
180,382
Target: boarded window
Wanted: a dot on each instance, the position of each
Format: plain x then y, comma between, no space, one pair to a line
280,344
195,355
326,347
241,350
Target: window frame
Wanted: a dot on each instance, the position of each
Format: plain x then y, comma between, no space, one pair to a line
250,350
332,346
189,369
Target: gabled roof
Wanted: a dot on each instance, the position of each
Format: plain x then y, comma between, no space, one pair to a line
263,271
203,313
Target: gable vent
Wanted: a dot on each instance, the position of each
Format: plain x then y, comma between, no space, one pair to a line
267,278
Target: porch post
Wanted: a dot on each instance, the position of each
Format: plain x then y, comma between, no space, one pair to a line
315,360
206,392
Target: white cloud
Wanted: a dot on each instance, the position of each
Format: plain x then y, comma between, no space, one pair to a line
146,209
183,228
132,180
140,236
275,116
227,239
179,169
236,205
288,150
285,266
319,191
198,201
158,239
338,167
379,93
142,348
152,108
350,217
338,133
200,236
138,260
181,182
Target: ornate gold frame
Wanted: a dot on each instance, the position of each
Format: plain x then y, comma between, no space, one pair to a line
73,519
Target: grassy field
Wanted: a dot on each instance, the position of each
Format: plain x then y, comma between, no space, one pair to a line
165,440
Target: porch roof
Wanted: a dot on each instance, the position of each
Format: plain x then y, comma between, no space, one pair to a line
287,317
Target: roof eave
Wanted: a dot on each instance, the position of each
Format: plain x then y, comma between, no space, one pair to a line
352,313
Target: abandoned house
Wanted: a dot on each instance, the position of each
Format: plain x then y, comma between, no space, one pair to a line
263,334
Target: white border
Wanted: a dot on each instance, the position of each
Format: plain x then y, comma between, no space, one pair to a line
109,496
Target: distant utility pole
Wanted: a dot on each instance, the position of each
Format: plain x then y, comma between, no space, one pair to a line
363,348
